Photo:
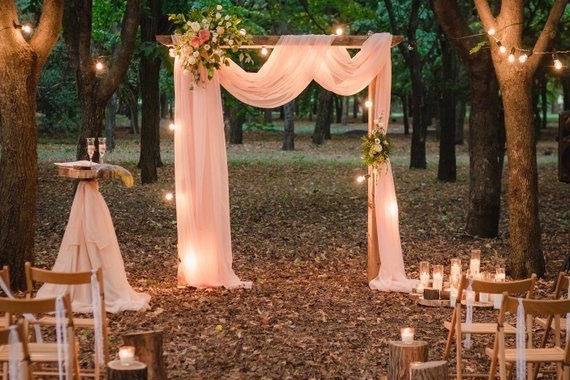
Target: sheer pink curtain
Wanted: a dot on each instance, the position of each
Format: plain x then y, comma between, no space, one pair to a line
204,242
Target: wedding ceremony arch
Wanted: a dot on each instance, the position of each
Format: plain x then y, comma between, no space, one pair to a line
201,173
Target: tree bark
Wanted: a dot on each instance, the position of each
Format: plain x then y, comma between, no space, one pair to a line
21,62
344,119
236,118
566,92
110,122
324,116
164,114
460,111
406,121
132,101
289,126
148,349
150,91
337,108
447,170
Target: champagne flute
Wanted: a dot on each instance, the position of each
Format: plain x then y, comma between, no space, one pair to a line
102,148
90,148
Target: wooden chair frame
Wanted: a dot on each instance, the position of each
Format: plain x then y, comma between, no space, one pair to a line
5,276
525,286
551,308
18,307
78,278
5,341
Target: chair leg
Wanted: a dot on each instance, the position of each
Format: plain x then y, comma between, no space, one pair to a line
4,371
450,336
501,354
458,352
493,368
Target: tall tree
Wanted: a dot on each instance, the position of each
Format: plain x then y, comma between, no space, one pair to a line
515,82
324,116
485,137
96,85
21,62
149,70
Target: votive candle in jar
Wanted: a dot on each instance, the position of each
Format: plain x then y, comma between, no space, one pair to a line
437,275
484,297
500,276
126,355
424,273
475,263
407,334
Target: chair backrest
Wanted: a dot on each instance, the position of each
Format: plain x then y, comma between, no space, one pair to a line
33,306
59,278
561,285
525,286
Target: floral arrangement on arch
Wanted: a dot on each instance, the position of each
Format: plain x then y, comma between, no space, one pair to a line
203,37
376,146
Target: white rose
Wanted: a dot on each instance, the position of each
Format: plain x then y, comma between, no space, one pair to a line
191,60
228,24
206,47
242,32
196,54
219,7
195,26
230,42
218,16
214,39
227,17
172,52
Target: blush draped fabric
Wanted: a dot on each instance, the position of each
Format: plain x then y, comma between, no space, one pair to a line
90,242
202,195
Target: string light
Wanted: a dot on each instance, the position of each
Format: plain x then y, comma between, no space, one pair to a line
27,29
368,103
492,32
169,197
502,48
172,126
99,66
360,179
339,31
264,51
557,62
523,57
511,57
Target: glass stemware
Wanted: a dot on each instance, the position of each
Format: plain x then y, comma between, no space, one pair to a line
90,148
102,148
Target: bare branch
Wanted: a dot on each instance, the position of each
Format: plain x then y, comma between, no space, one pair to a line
122,55
48,29
485,13
549,31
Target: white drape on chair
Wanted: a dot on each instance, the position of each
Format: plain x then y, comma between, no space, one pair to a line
202,196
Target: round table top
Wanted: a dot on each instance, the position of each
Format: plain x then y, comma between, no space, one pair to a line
118,366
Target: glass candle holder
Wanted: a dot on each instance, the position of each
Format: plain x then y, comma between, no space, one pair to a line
437,277
90,148
407,334
475,263
424,273
485,276
126,355
102,148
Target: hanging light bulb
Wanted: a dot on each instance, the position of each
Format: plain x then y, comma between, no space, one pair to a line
523,57
264,51
99,66
172,126
492,31
339,31
502,49
169,197
27,29
360,179
511,57
557,62
368,103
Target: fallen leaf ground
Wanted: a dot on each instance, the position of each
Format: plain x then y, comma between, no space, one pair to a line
299,233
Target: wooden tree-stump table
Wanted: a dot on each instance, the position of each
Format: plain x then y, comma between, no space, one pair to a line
148,349
429,371
134,371
402,354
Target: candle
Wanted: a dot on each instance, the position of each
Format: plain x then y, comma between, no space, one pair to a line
438,277
407,334
455,271
475,263
424,273
499,277
484,297
126,355
453,296
420,288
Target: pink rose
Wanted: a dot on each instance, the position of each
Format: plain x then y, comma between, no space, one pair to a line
196,42
204,35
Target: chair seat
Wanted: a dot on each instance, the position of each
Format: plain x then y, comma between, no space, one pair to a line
39,352
542,323
77,322
555,354
481,328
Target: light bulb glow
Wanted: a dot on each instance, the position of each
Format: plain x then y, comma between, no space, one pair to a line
360,179
172,126
264,51
502,49
523,58
492,32
27,28
339,31
511,58
368,103
99,66
169,197
557,64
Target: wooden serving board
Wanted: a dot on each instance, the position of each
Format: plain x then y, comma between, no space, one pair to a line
76,173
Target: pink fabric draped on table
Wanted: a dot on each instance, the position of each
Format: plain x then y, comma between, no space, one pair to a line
90,242
202,195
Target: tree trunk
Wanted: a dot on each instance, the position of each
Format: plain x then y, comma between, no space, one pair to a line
132,103
18,159
486,151
164,114
111,122
406,121
288,126
418,147
267,116
236,118
460,111
355,107
324,116
337,108
566,91
447,171
150,92
148,349
525,256
93,114
344,119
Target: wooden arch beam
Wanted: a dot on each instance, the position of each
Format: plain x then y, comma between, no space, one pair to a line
351,42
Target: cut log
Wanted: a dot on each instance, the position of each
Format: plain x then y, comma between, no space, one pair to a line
429,371
402,355
134,371
148,349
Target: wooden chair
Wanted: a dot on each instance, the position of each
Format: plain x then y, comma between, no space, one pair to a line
546,323
5,278
456,328
43,353
74,279
507,356
24,365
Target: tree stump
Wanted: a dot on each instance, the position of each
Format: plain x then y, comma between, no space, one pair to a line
429,371
431,294
134,371
148,349
402,354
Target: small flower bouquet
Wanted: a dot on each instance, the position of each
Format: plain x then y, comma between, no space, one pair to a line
376,146
202,38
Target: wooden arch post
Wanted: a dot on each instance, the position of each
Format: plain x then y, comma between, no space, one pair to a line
350,42
373,249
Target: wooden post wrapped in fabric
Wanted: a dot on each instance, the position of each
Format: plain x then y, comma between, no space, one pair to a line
148,349
402,355
134,371
429,371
